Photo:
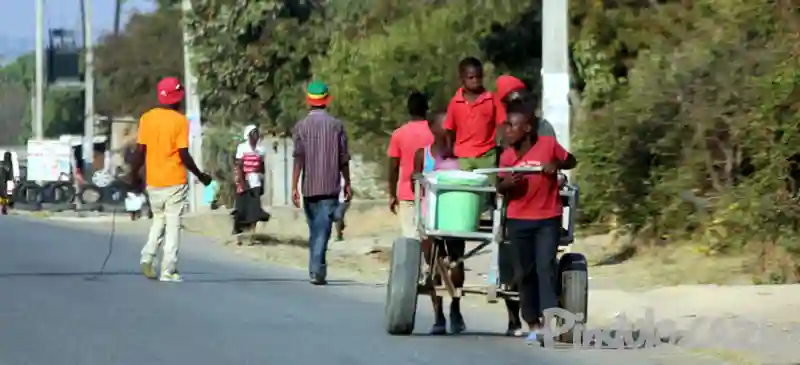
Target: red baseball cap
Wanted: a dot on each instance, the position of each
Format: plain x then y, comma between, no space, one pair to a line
170,91
506,84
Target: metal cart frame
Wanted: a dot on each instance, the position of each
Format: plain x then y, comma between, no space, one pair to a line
410,275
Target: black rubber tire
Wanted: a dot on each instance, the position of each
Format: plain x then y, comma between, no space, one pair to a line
58,193
573,277
23,191
46,190
403,286
90,205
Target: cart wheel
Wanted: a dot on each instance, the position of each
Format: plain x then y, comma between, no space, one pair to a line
401,289
574,287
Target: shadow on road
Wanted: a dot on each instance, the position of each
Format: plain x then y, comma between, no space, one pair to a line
189,277
65,274
462,335
273,280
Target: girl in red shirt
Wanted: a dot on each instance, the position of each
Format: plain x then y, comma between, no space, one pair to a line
533,217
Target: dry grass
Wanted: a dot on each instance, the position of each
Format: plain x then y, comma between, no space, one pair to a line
613,266
667,266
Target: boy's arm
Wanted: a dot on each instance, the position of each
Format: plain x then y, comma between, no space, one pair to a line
299,156
505,181
182,144
393,152
569,163
419,165
563,159
419,161
238,174
394,174
449,126
344,156
139,154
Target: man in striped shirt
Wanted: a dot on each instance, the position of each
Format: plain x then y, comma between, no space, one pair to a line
322,158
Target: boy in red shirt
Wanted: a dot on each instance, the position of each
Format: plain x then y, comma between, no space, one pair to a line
473,117
403,146
533,216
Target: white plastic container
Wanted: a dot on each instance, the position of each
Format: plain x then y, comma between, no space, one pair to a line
429,204
133,202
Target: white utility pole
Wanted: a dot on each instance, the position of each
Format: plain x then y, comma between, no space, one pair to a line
38,92
555,68
88,89
192,109
555,72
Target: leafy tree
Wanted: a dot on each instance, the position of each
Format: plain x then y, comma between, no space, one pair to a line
63,109
14,103
129,65
685,112
254,57
371,76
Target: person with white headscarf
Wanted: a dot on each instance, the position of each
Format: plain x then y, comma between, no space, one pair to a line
249,176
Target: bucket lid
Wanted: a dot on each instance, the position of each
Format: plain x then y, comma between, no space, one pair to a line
458,177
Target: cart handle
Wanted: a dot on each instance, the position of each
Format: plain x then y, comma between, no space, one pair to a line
500,170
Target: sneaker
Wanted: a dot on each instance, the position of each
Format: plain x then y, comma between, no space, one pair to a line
170,278
534,338
514,330
147,270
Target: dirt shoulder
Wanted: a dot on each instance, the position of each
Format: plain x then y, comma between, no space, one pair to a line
680,284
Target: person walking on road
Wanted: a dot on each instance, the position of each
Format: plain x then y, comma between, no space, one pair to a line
163,147
249,177
321,156
511,90
6,177
404,143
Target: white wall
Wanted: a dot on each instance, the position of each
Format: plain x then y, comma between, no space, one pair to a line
279,164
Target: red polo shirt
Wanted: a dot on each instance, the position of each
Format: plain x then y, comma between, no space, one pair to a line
475,123
537,197
404,143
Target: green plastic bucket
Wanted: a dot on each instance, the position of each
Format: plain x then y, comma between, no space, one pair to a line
459,211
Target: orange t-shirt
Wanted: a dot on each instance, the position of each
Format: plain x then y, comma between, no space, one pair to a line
164,132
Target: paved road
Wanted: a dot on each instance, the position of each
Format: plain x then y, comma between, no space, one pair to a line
229,311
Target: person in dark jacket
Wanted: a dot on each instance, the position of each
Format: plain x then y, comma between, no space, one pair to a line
6,175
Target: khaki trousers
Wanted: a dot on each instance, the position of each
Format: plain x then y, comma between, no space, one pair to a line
167,205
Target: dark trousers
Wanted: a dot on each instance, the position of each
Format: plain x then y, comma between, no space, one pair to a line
319,215
535,244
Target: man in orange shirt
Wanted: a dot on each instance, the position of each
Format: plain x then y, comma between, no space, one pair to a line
163,147
473,117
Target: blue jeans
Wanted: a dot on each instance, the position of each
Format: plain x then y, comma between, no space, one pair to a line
319,215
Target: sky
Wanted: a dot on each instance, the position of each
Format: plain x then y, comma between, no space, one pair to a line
18,20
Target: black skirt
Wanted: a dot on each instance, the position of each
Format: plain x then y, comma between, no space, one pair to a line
5,177
247,210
